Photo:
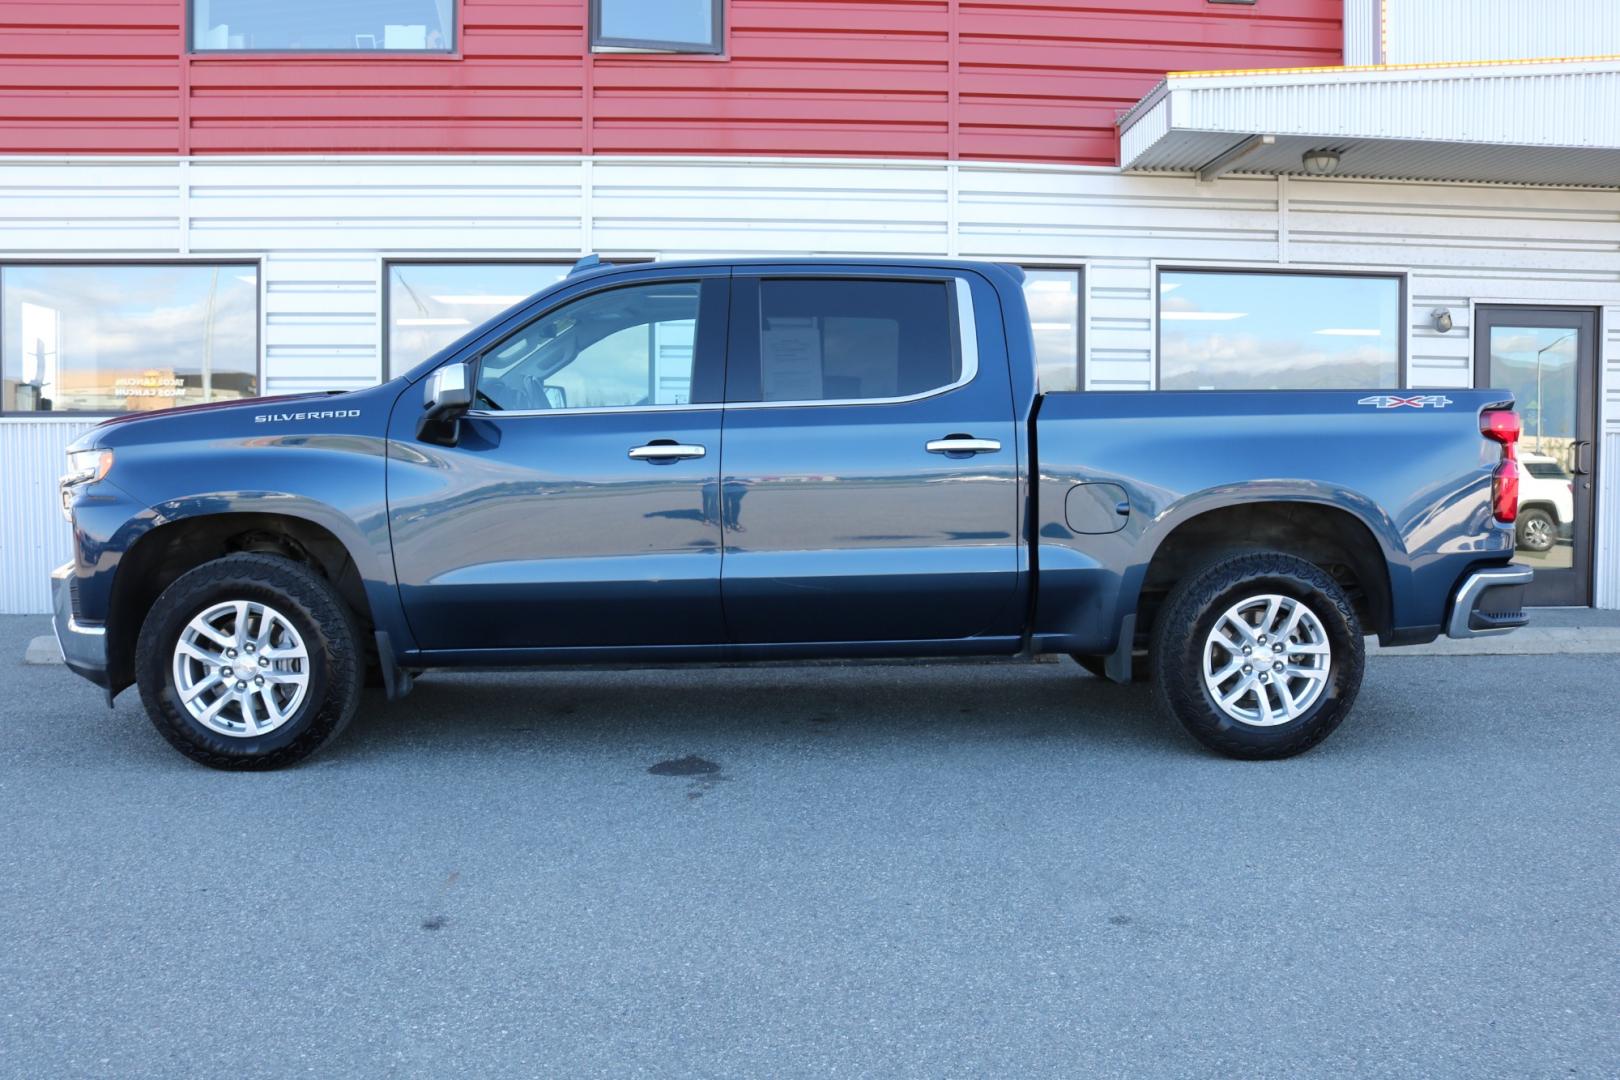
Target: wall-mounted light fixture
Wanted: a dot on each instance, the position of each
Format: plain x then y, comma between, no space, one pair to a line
1441,317
1321,162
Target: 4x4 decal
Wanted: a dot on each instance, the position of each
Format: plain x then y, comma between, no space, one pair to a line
1415,401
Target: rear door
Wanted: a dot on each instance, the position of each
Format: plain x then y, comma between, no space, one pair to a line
870,477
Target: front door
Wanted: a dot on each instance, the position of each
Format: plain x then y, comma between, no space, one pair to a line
870,489
578,509
1547,357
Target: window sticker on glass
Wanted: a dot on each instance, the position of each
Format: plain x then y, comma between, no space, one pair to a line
790,359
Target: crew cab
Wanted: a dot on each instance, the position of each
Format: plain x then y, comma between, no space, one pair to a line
776,459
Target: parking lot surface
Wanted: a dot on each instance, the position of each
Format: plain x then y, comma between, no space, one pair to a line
873,870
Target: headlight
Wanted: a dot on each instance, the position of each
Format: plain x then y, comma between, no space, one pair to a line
87,466
84,467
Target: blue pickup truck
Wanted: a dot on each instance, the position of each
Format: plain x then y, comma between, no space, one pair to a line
763,460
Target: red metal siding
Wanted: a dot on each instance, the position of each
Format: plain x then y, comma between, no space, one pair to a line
1039,80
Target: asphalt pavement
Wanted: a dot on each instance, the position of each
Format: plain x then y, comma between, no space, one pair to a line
921,870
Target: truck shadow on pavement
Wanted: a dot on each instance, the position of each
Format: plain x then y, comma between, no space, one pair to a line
845,706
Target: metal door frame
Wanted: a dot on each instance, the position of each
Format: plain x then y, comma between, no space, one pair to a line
1586,419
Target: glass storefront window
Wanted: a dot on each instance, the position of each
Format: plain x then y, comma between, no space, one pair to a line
1223,330
319,26
112,339
1053,297
431,305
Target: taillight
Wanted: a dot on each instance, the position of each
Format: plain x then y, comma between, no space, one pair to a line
1505,491
1502,426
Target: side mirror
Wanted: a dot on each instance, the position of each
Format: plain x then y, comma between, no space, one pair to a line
446,396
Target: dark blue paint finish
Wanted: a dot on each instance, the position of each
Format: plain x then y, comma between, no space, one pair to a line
541,532
1418,480
805,530
208,460
841,526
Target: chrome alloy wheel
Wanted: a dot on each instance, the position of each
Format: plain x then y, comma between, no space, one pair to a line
241,668
1538,534
1266,660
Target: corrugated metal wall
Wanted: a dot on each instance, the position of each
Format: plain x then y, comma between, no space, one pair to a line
985,79
1441,31
325,226
33,536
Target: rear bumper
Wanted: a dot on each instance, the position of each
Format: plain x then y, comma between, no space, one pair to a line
83,646
1489,602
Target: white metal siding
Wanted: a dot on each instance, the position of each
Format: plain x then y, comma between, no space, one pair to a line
1362,31
33,537
1552,123
323,228
1447,31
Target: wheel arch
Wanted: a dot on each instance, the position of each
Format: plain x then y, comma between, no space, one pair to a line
177,545
1355,552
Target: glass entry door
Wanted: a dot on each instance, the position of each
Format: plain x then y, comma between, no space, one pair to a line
1547,357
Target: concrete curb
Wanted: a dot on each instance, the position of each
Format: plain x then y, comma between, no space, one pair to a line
1530,641
42,650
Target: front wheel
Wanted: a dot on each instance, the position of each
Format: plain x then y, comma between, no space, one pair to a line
249,662
1258,655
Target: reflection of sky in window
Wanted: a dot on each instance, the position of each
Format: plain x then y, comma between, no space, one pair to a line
353,25
87,337
1053,297
1259,331
431,305
688,22
1545,399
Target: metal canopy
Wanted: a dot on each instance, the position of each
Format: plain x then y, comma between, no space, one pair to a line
1544,122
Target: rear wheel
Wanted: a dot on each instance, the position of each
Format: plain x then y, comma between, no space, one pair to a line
1258,655
249,662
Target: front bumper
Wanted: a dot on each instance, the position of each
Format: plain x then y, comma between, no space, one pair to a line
84,647
1489,602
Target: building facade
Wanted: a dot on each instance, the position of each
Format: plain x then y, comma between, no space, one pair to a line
221,198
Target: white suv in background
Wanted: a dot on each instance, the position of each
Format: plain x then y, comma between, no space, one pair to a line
1546,502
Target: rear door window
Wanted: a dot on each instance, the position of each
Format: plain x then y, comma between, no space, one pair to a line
849,339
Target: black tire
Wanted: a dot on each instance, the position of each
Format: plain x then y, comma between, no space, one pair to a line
1189,616
336,667
1537,530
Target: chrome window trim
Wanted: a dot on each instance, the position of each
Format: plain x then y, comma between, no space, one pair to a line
967,328
493,414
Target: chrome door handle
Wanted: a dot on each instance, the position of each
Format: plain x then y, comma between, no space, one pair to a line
963,444
655,451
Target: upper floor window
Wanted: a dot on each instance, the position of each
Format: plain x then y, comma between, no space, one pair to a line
118,338
323,26
618,348
688,26
1225,330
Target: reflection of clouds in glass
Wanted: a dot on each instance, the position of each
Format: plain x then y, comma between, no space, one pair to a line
1538,366
1236,330
113,324
1053,297
1247,362
433,305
